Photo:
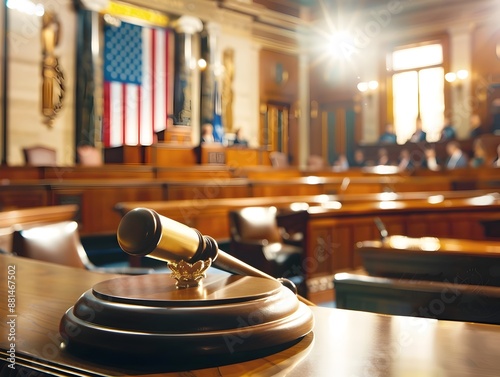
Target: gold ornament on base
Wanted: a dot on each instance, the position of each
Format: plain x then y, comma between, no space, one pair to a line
189,275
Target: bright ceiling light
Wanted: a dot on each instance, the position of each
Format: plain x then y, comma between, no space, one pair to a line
26,6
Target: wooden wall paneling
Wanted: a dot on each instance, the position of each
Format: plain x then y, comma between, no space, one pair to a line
75,196
467,225
97,215
115,171
343,245
462,228
206,190
320,248
165,155
485,71
240,157
211,154
279,82
361,232
8,173
126,154
278,76
197,172
427,185
437,225
265,172
23,195
362,187
274,188
394,224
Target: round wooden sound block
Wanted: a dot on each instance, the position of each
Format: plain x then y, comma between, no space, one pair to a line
147,317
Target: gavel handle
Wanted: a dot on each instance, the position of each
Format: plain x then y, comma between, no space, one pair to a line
227,262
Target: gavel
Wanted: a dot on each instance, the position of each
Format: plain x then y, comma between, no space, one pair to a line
144,232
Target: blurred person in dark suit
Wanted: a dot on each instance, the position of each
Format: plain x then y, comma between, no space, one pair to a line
358,160
419,135
475,126
456,158
388,137
448,132
238,138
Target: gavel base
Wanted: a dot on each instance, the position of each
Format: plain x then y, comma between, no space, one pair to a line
147,319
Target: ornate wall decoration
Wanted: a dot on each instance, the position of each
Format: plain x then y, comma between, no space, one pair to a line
52,74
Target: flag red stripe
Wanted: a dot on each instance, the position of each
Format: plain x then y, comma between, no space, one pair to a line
153,77
106,116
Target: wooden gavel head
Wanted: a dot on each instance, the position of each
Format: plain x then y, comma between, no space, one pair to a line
143,232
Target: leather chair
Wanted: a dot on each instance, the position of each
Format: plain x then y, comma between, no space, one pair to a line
39,155
60,243
257,240
89,155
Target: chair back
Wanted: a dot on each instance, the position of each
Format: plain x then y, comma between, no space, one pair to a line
255,223
55,243
40,156
89,155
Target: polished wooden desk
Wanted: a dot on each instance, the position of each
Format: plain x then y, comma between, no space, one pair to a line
431,258
343,343
465,298
440,278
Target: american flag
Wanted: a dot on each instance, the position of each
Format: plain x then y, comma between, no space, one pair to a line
136,71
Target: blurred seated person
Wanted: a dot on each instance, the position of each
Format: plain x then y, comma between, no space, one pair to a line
496,161
475,126
419,135
456,158
207,133
431,162
238,138
479,158
359,159
405,162
448,132
383,157
341,163
388,137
